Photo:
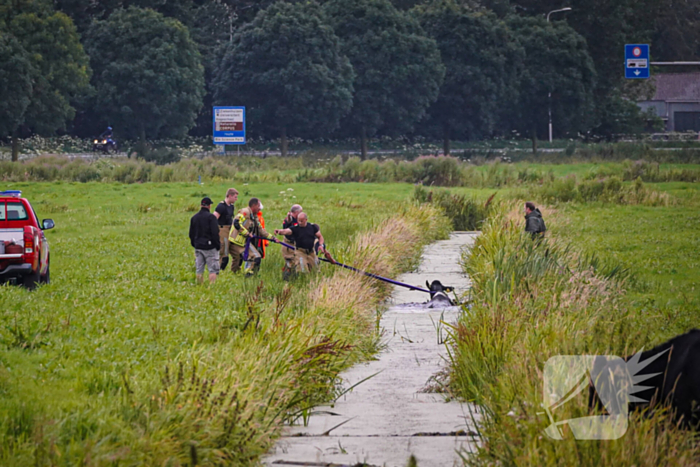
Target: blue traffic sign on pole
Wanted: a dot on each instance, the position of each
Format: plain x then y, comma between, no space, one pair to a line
229,125
637,61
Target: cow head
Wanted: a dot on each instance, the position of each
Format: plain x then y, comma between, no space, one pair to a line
436,286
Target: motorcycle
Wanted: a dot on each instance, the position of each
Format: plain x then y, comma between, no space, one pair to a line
106,145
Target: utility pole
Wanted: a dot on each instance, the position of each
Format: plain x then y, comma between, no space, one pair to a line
549,97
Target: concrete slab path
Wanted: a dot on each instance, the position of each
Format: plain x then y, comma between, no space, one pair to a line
385,419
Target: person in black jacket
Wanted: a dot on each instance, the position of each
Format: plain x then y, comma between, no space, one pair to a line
534,224
204,237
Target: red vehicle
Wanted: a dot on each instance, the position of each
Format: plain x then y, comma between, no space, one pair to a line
24,250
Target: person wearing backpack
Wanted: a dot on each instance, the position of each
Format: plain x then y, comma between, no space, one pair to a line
533,221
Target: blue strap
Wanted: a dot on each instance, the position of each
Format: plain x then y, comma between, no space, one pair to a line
247,247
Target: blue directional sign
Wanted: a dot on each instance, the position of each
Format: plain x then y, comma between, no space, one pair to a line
637,61
229,125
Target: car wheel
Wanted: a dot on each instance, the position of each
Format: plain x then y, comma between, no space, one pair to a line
46,278
32,280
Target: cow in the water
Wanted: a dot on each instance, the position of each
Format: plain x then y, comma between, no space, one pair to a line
668,374
438,295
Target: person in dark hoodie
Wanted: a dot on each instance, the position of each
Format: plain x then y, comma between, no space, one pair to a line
204,237
533,221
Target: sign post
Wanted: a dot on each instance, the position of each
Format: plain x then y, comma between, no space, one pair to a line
637,61
229,126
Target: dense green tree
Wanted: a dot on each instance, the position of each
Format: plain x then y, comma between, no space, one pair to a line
148,73
410,4
623,116
56,57
210,22
16,74
556,62
676,34
244,11
85,12
502,8
482,62
607,25
211,25
398,68
387,50
287,68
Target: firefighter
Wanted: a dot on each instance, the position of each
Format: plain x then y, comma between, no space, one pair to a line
261,245
246,226
288,254
305,236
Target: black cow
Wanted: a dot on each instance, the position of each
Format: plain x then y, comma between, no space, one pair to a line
674,378
438,295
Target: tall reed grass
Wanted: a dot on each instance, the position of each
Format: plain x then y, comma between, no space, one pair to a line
247,169
605,190
425,170
466,214
532,300
647,171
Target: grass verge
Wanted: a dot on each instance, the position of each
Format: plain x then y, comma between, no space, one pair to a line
426,170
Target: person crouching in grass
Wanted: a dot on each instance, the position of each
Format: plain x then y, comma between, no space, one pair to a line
305,235
534,223
204,237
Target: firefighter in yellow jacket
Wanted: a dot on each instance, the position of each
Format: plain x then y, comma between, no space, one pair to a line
245,226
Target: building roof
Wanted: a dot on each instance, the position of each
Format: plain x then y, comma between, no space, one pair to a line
677,87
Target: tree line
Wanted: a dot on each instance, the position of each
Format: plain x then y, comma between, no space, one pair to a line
444,69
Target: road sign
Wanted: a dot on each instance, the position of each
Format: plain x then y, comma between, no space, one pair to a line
229,125
637,61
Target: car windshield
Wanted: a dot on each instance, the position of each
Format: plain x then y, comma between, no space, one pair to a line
2,210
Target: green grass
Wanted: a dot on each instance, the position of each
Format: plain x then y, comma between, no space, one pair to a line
581,169
427,170
660,245
83,360
610,280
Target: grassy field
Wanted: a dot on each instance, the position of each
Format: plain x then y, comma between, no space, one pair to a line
611,279
660,246
122,358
